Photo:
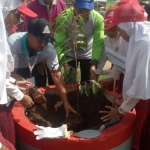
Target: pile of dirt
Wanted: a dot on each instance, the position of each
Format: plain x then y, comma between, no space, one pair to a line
52,113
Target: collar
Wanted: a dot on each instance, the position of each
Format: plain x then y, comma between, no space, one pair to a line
43,4
24,45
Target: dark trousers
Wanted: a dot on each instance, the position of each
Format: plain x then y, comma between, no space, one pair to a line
40,80
84,68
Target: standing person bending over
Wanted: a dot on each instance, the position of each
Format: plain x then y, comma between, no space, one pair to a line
88,35
34,47
134,28
47,9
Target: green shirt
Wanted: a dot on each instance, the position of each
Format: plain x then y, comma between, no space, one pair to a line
88,33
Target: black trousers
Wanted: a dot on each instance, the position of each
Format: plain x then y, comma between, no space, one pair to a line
40,80
84,68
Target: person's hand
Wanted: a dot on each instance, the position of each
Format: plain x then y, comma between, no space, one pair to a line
3,148
41,67
24,85
92,72
38,96
106,82
68,108
111,115
27,102
117,103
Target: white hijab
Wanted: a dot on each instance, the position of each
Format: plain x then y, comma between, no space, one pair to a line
5,7
137,77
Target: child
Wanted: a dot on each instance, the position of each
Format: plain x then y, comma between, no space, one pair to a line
112,41
134,28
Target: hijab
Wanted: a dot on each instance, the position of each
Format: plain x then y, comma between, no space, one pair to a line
5,7
136,82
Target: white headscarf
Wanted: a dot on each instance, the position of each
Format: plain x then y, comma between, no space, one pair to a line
137,77
5,7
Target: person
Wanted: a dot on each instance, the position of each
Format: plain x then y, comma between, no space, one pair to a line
146,5
87,33
47,9
21,13
32,48
115,42
112,41
8,17
134,28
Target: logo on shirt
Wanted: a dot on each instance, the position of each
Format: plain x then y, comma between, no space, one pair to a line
46,30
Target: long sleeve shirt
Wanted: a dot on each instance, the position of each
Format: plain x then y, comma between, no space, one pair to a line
13,92
88,34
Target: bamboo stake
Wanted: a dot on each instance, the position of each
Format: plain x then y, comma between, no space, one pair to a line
114,84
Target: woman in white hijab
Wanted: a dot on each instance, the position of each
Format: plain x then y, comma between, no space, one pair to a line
8,17
130,20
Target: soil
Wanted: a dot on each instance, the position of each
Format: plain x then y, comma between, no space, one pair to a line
88,108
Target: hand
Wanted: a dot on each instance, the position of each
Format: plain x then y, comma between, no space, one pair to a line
117,103
41,67
92,72
3,148
106,82
111,115
38,96
27,102
24,85
68,108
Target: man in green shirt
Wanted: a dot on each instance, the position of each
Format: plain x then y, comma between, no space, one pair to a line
82,28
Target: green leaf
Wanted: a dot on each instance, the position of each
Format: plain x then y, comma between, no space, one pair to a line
102,90
66,71
65,60
70,77
60,66
87,89
80,90
94,88
64,51
98,84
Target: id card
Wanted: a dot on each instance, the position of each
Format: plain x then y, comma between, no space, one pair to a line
32,80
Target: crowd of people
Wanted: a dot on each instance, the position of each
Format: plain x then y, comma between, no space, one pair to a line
30,60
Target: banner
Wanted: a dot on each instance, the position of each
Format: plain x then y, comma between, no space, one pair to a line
111,4
117,59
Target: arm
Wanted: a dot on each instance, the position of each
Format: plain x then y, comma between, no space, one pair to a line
17,77
98,37
14,92
52,63
98,43
59,83
125,107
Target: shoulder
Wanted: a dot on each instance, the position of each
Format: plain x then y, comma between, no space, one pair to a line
67,12
96,15
16,37
48,49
